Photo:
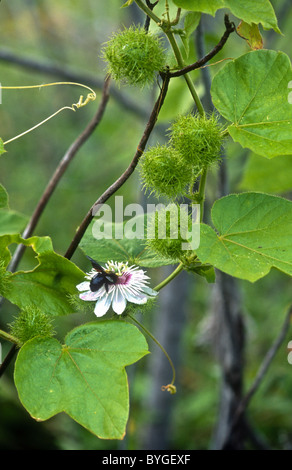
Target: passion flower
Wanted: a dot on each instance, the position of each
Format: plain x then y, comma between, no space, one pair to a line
125,284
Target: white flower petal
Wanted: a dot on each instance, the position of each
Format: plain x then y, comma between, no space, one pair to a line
119,302
135,298
102,306
149,291
89,295
83,286
140,300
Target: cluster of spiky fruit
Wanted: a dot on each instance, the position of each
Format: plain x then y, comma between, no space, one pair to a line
194,144
134,57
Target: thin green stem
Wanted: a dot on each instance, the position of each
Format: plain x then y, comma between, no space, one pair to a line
167,11
194,94
180,62
158,344
225,133
201,194
177,270
8,337
171,38
148,12
187,78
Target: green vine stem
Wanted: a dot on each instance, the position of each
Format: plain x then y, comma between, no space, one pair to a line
187,78
171,38
201,193
174,273
165,26
148,12
8,337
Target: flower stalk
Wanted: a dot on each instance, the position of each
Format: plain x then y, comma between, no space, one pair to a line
177,270
170,387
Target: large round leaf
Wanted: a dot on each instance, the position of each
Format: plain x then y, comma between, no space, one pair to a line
252,92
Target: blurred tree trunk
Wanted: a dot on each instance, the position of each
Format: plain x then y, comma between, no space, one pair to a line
228,339
229,345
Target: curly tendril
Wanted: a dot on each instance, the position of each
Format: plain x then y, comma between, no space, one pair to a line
91,96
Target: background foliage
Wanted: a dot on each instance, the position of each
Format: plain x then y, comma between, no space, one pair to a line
66,37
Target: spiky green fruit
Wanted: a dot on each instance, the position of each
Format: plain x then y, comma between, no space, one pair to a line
163,172
134,56
198,140
30,323
170,229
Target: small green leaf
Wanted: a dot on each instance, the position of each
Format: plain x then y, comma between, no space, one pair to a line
128,3
250,11
11,221
254,235
84,378
252,92
208,272
203,6
127,248
2,149
251,34
49,284
257,12
191,22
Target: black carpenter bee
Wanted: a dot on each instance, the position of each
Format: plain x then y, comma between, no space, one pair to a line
101,278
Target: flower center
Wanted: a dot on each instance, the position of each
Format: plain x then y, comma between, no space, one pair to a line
124,278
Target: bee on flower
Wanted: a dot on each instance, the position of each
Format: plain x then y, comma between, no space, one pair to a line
113,286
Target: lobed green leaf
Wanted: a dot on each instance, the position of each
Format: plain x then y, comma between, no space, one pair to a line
254,235
84,378
252,93
49,284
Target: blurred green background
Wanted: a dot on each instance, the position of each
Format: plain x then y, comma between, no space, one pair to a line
36,38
